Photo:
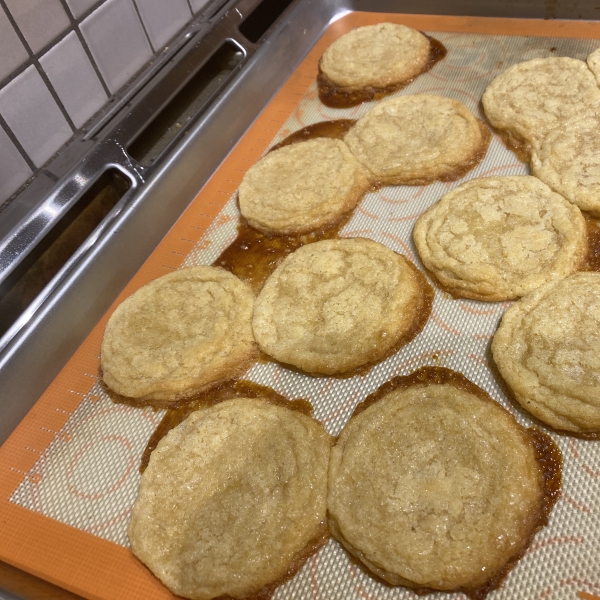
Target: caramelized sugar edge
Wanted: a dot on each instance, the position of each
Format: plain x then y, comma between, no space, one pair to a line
547,454
336,96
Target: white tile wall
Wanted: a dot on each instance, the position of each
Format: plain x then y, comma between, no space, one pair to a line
117,41
40,21
12,51
62,60
78,7
163,20
73,77
14,171
198,4
31,112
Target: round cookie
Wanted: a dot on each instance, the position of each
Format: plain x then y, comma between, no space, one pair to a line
436,486
302,187
547,349
179,335
375,56
498,238
233,500
568,160
532,98
336,305
415,140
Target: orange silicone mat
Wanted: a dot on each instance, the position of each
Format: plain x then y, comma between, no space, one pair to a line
67,472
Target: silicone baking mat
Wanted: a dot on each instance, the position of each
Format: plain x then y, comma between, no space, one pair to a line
68,474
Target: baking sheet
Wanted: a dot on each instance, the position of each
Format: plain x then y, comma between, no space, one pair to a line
69,472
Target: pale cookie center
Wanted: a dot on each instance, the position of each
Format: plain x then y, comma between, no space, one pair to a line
500,233
338,298
563,345
170,328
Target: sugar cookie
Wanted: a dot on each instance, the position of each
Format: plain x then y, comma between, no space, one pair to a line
415,140
436,486
178,335
302,187
547,348
233,500
532,98
568,160
498,238
373,60
336,305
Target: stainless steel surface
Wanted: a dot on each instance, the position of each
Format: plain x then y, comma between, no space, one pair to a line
39,344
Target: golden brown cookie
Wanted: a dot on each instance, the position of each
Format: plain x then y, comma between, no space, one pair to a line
498,238
302,187
375,56
415,140
179,335
547,348
532,98
233,500
336,305
568,160
435,486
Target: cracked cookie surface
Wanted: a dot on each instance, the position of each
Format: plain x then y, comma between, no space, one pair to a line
418,139
178,335
434,487
375,55
231,498
498,238
547,349
532,98
336,305
568,160
593,62
302,187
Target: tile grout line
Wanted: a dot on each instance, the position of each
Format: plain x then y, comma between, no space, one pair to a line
33,60
13,138
75,27
23,67
26,64
17,30
139,16
3,123
50,175
88,53
61,106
